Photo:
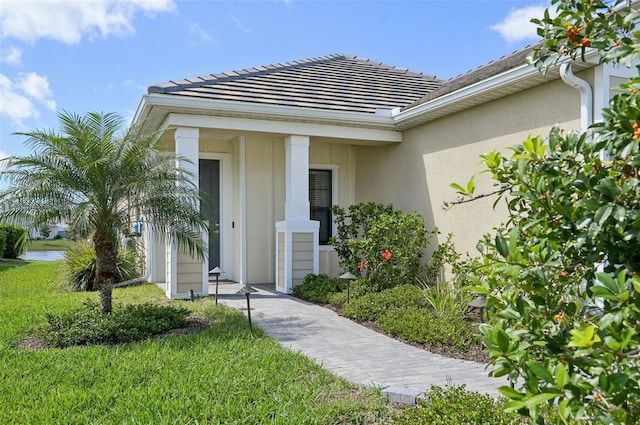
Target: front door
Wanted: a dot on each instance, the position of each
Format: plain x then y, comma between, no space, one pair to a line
210,185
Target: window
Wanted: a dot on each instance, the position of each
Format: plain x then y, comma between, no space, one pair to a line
320,201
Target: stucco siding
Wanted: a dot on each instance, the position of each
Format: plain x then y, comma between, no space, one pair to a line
415,175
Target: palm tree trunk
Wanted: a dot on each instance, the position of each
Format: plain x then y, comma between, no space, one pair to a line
106,257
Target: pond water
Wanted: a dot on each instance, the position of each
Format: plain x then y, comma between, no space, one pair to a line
43,255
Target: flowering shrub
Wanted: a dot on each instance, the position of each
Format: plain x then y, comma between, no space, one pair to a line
380,243
565,332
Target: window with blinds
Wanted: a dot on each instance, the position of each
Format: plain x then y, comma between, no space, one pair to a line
320,200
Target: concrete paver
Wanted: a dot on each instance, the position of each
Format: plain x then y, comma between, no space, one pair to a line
353,351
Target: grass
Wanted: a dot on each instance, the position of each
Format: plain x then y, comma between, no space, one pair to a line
49,244
224,375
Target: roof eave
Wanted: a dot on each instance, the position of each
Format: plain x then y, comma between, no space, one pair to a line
262,111
508,82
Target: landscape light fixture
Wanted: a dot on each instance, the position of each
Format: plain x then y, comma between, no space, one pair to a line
216,272
247,291
348,277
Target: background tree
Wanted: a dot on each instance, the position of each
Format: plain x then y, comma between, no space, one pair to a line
100,179
562,275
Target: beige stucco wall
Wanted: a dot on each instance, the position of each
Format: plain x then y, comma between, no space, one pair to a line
416,174
265,170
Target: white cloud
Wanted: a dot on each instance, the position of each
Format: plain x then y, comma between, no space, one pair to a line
69,20
37,87
516,26
17,98
239,25
201,35
12,56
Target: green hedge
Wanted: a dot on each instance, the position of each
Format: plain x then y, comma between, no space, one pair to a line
16,240
3,242
319,288
372,306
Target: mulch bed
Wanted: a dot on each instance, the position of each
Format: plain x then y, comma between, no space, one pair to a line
475,354
195,323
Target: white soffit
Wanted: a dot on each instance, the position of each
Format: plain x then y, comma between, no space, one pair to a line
161,110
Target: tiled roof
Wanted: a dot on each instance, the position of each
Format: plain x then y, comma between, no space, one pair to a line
481,73
335,82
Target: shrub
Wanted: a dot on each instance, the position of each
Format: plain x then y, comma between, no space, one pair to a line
373,305
454,406
3,242
380,242
88,326
16,240
318,288
446,298
79,267
425,326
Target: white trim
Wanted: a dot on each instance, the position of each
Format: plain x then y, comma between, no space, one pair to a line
284,127
227,263
485,86
242,204
335,168
261,111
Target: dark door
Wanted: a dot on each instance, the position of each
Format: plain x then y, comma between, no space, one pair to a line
210,185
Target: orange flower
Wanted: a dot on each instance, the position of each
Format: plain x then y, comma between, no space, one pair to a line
386,255
597,398
586,42
558,317
562,273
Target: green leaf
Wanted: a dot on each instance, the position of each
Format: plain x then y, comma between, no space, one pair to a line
513,406
459,189
539,398
502,339
511,393
603,214
607,188
540,371
513,240
471,187
562,375
607,280
583,338
501,246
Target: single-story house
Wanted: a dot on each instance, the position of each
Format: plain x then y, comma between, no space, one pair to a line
276,146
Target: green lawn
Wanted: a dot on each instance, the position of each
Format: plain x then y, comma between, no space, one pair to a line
224,375
49,245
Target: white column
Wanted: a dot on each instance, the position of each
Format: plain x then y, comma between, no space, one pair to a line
297,237
187,147
297,177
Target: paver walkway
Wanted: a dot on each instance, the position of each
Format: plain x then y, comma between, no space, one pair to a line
352,351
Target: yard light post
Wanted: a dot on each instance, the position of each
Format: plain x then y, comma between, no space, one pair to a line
216,272
348,277
247,291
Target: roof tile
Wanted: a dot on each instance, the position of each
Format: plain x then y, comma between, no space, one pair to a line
335,82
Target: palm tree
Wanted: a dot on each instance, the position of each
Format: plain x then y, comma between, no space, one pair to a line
100,179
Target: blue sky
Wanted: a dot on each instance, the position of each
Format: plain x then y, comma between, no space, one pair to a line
101,55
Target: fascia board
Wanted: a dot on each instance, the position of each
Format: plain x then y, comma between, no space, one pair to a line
503,79
282,127
256,110
513,75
